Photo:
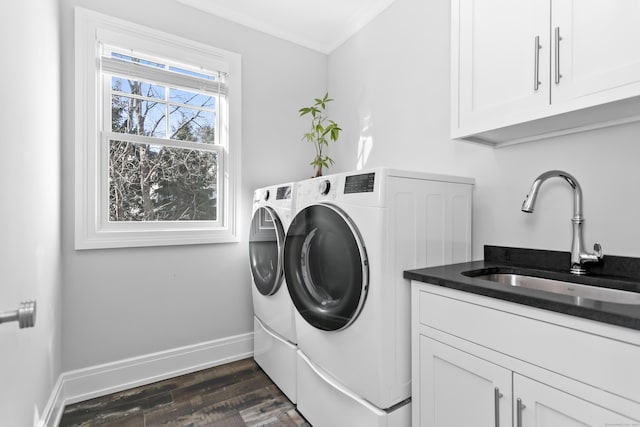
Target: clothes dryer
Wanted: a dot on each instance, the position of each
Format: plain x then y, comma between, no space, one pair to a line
345,252
274,325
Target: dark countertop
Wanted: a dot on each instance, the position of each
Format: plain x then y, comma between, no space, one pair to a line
613,272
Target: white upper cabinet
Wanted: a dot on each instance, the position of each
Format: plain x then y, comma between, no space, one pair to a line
598,45
498,61
532,69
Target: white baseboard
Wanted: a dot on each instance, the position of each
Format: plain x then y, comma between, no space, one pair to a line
87,383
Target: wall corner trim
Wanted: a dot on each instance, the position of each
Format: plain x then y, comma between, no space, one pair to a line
95,381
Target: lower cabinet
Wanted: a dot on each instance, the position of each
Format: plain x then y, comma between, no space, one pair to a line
460,381
538,405
458,389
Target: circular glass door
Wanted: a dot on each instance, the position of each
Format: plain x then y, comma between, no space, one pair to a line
266,245
326,267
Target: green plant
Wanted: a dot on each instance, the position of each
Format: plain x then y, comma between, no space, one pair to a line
322,130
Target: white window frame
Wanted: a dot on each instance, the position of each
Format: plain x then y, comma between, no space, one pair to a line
92,227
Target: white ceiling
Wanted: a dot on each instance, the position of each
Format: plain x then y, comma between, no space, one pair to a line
322,25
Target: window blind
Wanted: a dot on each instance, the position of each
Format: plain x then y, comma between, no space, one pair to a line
163,76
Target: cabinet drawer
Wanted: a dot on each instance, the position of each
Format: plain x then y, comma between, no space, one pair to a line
600,361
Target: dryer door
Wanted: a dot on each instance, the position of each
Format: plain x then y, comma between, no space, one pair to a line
266,245
326,267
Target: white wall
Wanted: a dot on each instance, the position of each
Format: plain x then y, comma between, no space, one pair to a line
391,88
30,214
127,302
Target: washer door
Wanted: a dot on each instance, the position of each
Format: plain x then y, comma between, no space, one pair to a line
266,245
326,267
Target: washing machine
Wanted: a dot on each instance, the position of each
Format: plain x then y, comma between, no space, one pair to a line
274,324
352,237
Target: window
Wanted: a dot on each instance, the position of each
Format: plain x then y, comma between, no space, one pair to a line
157,137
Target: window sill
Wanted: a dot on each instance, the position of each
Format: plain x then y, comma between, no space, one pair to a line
129,239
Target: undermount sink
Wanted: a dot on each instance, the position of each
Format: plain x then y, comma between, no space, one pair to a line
576,290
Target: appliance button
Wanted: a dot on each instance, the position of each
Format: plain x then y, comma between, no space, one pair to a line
324,187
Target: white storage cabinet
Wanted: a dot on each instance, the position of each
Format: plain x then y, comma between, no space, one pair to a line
487,363
529,69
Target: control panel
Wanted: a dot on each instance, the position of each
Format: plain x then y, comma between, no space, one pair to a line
361,187
283,193
363,183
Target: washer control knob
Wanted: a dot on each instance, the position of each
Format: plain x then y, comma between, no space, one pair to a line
267,194
324,187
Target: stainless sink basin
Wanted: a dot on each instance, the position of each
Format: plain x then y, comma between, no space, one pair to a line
576,290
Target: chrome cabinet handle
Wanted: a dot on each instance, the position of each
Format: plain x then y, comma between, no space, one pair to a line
496,402
557,56
536,64
25,315
519,407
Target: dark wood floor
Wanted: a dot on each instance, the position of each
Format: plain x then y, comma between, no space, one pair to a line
232,395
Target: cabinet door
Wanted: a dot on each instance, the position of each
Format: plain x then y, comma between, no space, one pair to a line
458,389
545,406
599,54
498,60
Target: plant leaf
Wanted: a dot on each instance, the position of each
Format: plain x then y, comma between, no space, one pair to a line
335,131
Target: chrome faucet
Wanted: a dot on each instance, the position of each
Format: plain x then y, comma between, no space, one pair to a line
579,256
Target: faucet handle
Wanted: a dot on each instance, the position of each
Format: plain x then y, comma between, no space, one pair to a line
587,257
598,249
